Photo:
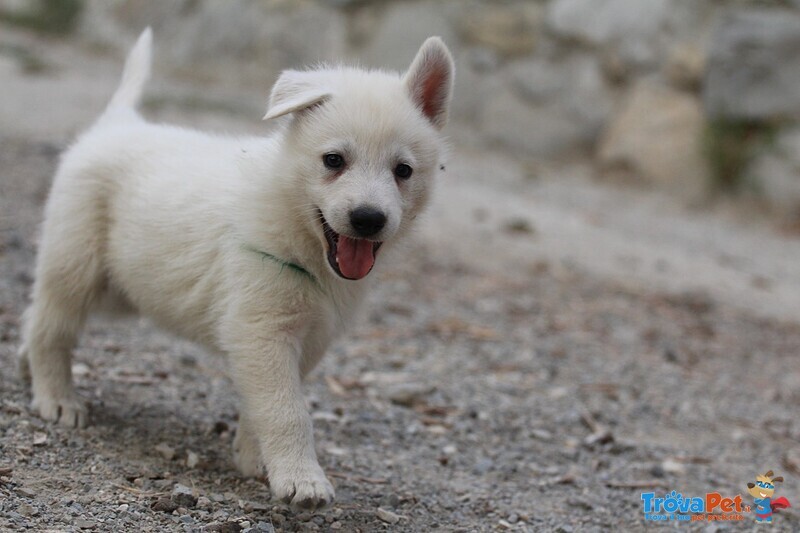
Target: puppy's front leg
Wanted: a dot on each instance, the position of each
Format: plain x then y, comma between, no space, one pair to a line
268,378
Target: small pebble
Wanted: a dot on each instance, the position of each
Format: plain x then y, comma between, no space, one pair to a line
166,451
259,507
83,523
387,516
203,503
390,500
483,466
27,510
671,466
183,496
28,493
230,527
542,434
519,225
192,459
406,394
80,369
164,505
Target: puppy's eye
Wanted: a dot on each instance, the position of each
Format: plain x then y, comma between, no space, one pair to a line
333,161
403,171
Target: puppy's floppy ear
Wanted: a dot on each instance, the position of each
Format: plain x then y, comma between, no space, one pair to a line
429,80
295,91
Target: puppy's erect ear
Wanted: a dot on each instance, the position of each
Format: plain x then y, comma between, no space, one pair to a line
430,80
295,91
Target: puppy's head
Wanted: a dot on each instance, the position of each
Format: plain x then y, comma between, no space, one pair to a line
363,148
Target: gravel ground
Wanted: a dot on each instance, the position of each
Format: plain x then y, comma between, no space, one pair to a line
539,396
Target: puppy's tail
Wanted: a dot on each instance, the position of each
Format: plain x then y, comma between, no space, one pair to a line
134,76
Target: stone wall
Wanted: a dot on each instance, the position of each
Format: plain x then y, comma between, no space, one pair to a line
683,94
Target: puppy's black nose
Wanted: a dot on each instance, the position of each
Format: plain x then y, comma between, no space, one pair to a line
367,221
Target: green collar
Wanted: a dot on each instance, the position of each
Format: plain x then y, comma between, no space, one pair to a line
284,264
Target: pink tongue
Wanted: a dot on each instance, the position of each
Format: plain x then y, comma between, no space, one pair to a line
355,257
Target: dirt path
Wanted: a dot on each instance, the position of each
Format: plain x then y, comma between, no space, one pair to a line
547,352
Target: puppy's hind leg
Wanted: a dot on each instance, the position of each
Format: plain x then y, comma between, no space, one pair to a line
68,279
54,321
23,364
246,451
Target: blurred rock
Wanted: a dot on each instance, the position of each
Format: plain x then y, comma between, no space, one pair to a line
574,84
540,78
538,131
657,137
777,172
204,38
398,32
754,65
638,30
509,30
473,89
685,66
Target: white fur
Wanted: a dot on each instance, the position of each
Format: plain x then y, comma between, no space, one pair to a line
167,220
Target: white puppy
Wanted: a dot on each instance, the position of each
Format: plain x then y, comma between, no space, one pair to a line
254,247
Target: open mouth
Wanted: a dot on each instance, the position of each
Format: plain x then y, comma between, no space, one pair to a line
349,257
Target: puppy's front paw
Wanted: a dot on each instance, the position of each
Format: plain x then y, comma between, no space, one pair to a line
67,411
304,488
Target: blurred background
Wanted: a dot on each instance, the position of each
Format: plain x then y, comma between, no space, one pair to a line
603,299
686,95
